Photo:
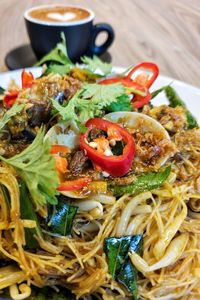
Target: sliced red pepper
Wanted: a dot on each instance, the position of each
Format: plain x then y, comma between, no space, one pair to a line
27,79
138,100
74,185
10,97
114,165
149,66
55,149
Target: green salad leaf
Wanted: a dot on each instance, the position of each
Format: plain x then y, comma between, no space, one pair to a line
96,64
89,101
61,216
57,55
28,213
146,182
36,166
15,109
175,101
119,264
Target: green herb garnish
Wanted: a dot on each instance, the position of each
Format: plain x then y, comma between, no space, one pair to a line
123,103
89,101
119,264
36,166
15,109
96,64
58,54
60,217
28,213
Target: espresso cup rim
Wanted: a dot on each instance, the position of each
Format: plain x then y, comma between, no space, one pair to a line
59,24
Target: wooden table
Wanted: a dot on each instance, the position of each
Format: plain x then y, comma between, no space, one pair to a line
166,32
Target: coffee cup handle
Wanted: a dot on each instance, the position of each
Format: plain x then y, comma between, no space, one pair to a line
101,27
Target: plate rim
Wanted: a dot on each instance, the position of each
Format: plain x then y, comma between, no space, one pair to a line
119,68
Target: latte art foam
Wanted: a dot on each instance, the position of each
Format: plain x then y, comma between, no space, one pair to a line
66,17
59,14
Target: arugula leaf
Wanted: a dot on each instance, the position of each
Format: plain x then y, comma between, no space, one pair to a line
36,166
175,101
119,264
146,182
58,54
123,103
89,101
96,64
15,109
61,216
28,213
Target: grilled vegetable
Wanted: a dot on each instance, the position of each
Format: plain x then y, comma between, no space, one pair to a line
146,182
175,100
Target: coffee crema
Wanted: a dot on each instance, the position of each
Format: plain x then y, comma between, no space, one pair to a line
59,14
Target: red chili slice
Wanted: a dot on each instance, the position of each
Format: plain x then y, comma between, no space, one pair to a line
138,100
74,185
115,165
27,79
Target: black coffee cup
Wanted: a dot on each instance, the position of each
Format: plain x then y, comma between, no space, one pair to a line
80,35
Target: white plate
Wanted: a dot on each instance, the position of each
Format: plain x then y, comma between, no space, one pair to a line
189,93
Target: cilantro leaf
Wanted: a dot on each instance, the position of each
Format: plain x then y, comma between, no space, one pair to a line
36,166
123,103
15,109
58,54
57,69
96,64
89,101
